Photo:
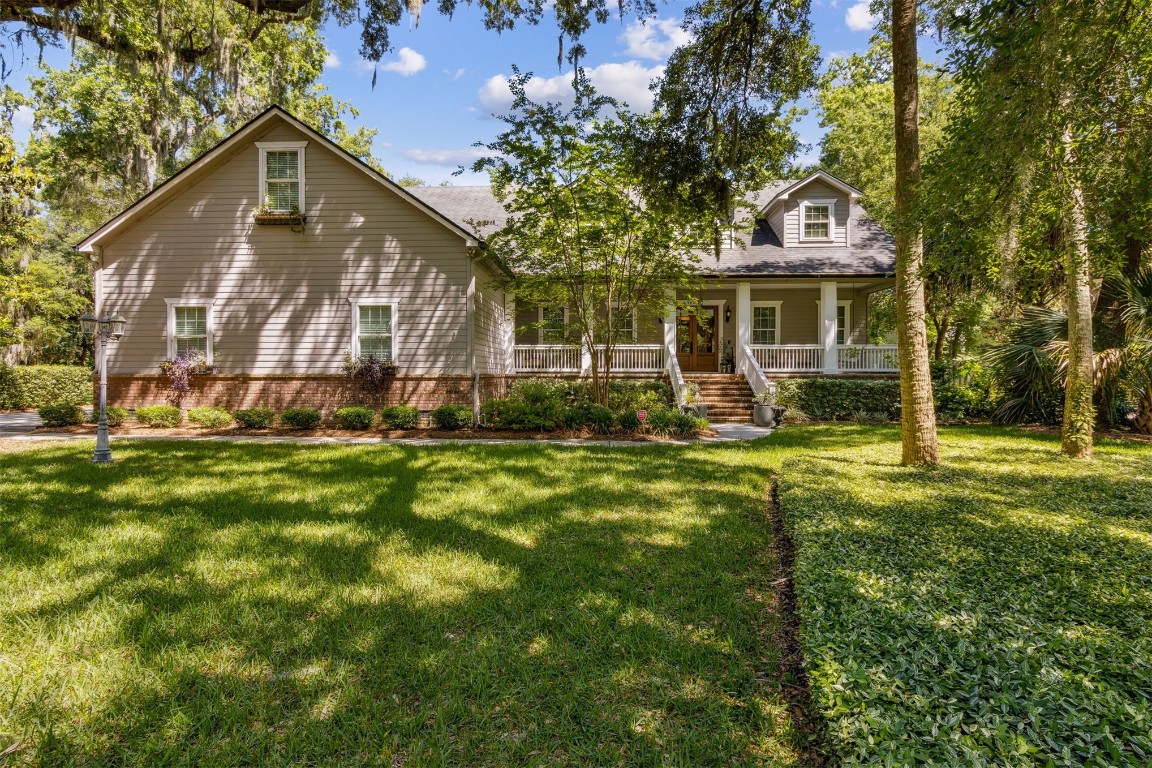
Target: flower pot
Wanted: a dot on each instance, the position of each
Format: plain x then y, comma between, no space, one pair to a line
764,415
700,409
282,219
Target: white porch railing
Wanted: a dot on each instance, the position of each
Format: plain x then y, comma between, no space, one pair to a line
790,358
755,374
633,358
675,375
868,358
548,358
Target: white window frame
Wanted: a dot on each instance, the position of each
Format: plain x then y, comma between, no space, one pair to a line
209,323
779,320
280,146
804,205
540,328
635,330
847,304
355,305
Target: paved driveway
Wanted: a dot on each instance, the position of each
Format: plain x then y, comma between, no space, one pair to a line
18,423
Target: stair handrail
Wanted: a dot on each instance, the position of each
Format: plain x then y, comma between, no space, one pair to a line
675,375
755,374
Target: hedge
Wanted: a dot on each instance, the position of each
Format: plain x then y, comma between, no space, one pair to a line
841,399
37,386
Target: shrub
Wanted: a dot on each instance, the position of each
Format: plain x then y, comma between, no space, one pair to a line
834,399
516,414
452,417
400,416
115,416
628,421
354,417
672,422
159,415
61,415
965,389
300,418
36,386
212,418
256,418
638,395
599,419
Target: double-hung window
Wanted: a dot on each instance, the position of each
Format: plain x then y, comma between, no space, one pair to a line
816,220
624,324
190,328
282,175
766,322
373,328
553,325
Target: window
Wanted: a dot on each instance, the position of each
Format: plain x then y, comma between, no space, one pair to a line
766,322
282,175
553,325
625,323
373,328
190,327
816,219
843,320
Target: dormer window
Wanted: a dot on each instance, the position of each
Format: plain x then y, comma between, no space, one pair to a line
282,175
816,219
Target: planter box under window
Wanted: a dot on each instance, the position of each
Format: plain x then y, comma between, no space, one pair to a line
285,219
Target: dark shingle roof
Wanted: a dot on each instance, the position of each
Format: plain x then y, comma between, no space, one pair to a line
873,250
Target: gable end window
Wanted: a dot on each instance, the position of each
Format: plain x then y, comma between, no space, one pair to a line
373,328
282,175
190,328
817,220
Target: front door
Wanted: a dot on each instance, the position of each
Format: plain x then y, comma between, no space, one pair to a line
696,340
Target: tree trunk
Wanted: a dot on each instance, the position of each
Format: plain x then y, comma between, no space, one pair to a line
917,412
1079,410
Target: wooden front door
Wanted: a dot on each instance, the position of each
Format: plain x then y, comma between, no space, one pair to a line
696,345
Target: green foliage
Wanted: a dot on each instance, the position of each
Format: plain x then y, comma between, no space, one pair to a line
61,415
628,421
524,415
400,416
210,418
598,418
994,611
115,415
674,423
452,417
841,399
964,389
158,416
300,418
256,418
33,386
356,417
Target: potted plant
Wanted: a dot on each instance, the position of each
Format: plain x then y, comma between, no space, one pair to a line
692,400
727,361
765,412
266,214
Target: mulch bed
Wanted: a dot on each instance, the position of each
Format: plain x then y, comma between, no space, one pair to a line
462,434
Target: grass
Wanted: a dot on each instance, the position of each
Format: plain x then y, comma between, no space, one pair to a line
225,604
997,611
219,604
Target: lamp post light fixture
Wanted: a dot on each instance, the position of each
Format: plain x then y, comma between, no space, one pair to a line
106,329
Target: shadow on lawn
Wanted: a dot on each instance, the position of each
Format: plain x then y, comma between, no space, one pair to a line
997,604
402,605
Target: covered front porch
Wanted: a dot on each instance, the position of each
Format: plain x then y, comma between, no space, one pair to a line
760,329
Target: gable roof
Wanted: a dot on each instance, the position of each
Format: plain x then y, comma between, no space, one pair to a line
191,172
785,190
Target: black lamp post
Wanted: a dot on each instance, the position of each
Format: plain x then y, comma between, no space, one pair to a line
106,329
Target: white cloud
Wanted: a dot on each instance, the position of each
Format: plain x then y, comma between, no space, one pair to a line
655,39
332,61
627,82
859,18
459,73
407,63
364,67
22,118
452,157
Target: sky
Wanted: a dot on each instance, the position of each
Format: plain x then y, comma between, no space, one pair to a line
436,93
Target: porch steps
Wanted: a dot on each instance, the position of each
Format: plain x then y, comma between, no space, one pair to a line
728,396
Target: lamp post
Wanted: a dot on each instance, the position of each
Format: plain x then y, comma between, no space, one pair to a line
105,329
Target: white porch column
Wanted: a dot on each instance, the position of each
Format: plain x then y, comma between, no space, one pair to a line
510,333
828,299
670,320
585,359
743,323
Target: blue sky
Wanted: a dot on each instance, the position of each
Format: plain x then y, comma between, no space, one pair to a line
435,94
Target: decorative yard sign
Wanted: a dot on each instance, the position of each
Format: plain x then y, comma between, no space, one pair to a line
642,415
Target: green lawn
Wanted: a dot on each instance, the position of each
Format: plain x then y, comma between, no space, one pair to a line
226,604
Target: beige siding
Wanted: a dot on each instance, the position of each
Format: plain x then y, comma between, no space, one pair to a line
282,297
489,325
786,215
800,313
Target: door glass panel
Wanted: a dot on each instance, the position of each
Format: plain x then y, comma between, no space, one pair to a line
706,331
684,334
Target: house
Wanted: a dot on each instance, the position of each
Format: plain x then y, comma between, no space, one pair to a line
277,253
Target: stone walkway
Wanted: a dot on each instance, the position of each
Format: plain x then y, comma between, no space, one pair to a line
18,426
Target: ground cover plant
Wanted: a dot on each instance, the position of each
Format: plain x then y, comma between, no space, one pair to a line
996,611
225,604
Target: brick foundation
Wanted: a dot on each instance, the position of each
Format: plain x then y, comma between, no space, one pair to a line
327,393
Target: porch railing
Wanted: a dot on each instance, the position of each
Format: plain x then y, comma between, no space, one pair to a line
675,375
548,358
569,358
793,358
633,358
755,374
868,358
